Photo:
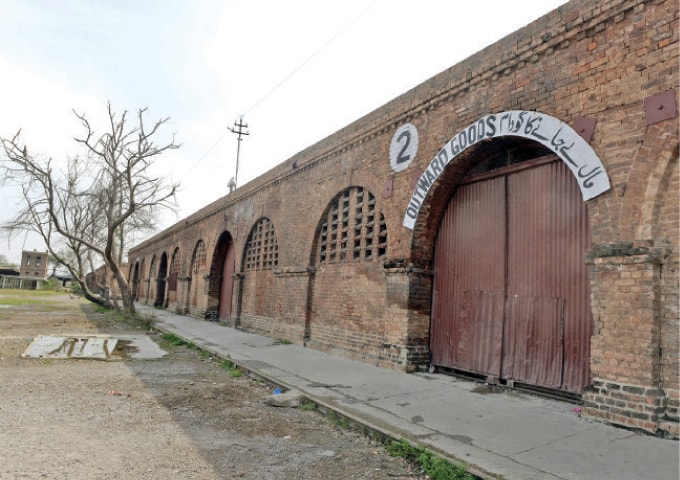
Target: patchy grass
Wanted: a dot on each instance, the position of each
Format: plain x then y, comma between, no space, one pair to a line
337,419
435,467
176,341
307,405
13,297
230,367
113,316
172,340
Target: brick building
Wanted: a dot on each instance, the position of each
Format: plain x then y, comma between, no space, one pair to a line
514,218
33,264
103,282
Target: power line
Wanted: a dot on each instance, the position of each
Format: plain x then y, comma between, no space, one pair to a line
281,82
212,147
314,54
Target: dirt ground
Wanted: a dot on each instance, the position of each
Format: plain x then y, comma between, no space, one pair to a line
181,416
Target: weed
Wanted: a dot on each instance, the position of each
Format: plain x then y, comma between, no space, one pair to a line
307,406
338,420
102,309
283,341
233,370
435,467
174,340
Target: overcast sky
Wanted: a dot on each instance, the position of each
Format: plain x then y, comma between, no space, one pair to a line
297,71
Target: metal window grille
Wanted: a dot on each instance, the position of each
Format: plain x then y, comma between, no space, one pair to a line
262,250
352,228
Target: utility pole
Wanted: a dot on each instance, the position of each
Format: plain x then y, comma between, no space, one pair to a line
239,129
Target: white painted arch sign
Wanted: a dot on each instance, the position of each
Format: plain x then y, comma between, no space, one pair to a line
549,131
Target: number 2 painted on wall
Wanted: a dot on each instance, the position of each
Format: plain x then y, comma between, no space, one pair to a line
403,147
404,156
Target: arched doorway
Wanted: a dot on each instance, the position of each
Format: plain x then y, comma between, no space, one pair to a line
221,277
161,280
227,288
196,276
135,282
510,295
151,285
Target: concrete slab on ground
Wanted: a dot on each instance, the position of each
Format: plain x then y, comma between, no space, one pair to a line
93,347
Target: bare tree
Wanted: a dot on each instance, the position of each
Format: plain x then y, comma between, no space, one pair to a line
85,212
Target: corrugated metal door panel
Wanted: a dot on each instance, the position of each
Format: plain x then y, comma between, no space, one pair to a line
227,283
467,311
547,239
479,332
534,340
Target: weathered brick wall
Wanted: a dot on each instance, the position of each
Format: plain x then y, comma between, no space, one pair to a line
668,221
602,61
349,310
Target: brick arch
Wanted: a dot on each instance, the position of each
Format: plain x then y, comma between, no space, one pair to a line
224,248
261,250
259,300
443,188
420,267
134,279
367,239
151,276
537,127
195,275
651,167
161,280
176,282
143,287
351,235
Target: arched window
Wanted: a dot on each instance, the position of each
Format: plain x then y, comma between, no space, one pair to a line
352,229
199,258
152,268
262,251
175,267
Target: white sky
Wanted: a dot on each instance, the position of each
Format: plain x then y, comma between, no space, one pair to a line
297,70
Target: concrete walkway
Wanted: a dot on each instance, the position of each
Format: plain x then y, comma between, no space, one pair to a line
508,434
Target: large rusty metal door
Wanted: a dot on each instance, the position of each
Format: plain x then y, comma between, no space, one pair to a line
227,287
511,297
469,286
549,301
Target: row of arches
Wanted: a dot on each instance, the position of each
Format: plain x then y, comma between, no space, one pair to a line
253,291
327,302
523,316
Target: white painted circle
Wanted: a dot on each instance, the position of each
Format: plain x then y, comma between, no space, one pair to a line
403,147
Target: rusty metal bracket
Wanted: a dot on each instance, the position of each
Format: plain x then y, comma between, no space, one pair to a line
661,106
387,189
585,127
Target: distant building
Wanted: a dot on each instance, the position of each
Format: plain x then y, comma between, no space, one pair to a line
103,282
9,271
33,264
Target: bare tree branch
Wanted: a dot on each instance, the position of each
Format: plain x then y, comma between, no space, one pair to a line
88,213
